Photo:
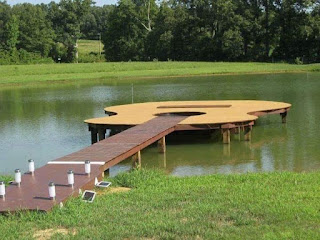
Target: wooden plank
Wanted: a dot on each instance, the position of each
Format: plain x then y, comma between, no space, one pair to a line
33,192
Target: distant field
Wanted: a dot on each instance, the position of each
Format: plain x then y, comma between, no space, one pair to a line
21,74
89,51
236,206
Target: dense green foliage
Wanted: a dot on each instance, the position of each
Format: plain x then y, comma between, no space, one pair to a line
188,30
214,30
246,206
42,30
131,71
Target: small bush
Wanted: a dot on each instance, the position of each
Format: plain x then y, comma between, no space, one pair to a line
6,178
298,61
90,58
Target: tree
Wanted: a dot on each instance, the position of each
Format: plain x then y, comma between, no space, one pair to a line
95,22
314,37
124,36
11,34
5,12
295,31
66,18
159,41
146,11
35,30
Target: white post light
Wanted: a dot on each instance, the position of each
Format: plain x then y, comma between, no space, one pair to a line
87,167
2,189
31,166
17,177
52,191
70,178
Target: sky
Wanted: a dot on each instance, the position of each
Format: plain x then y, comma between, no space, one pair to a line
98,2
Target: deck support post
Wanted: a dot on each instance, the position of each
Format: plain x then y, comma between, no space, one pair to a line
94,136
226,135
107,172
102,134
136,160
162,145
284,116
247,133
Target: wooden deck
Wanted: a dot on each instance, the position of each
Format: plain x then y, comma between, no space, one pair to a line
145,124
33,192
227,116
209,112
204,115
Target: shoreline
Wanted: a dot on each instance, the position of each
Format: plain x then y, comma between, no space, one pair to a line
137,78
17,75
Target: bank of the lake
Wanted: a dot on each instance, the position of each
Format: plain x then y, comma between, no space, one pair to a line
22,74
239,206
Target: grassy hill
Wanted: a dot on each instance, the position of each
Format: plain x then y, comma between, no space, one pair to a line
89,51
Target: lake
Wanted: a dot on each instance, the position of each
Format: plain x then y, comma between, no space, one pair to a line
46,122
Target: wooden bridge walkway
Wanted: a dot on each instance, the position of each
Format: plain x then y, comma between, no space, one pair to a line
33,192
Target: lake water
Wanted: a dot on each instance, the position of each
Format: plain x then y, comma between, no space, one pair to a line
46,122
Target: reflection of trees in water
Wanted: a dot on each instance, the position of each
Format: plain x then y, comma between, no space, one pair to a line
65,104
58,111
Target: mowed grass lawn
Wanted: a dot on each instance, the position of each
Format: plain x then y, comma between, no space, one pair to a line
247,206
21,74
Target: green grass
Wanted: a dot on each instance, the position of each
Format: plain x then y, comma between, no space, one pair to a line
247,206
86,47
22,74
89,51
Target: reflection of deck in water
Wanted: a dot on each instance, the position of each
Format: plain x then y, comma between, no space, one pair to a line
140,125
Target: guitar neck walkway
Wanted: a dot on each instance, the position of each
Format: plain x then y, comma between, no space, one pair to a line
33,193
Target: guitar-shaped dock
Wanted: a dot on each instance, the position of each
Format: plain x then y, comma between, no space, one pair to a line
137,126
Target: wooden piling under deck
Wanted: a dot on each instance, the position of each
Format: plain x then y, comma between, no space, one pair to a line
226,135
162,145
284,116
136,160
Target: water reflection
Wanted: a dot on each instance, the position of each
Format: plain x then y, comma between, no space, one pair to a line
46,122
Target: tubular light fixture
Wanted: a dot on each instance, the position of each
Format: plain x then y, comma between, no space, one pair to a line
31,166
2,189
17,177
52,191
87,167
70,178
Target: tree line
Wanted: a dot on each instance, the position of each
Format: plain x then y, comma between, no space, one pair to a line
178,30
